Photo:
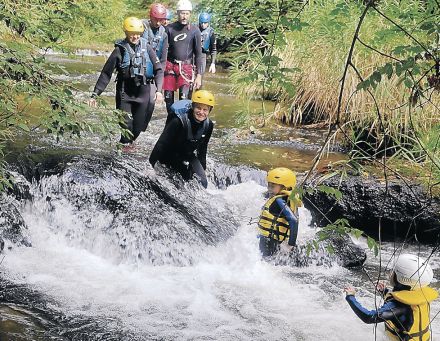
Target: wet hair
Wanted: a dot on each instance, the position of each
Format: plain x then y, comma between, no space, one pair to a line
398,286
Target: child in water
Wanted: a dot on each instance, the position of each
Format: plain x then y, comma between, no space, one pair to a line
278,223
406,308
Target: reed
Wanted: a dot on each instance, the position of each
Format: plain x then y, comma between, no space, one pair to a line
319,51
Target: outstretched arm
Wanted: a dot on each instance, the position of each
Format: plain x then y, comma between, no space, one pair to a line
390,310
107,71
213,50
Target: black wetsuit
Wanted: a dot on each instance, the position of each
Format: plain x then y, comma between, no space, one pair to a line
131,96
185,45
211,50
173,148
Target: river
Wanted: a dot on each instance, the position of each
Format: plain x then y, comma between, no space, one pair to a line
121,253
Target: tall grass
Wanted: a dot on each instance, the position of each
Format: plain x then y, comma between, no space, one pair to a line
320,50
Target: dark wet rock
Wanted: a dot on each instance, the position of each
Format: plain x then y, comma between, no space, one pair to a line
402,211
27,314
20,187
12,225
349,255
106,201
34,161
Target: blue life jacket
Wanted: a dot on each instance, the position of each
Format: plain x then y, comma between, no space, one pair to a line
181,109
206,38
136,63
155,40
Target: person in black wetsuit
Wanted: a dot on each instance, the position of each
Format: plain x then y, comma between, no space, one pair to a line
137,68
406,308
209,41
185,48
183,144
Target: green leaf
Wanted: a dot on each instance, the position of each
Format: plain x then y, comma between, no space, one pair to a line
357,233
376,76
363,85
23,126
408,83
331,191
371,243
330,249
388,70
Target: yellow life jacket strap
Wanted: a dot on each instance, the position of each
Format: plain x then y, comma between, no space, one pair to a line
391,330
420,334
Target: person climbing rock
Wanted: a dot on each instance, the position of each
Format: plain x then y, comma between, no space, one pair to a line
184,60
278,223
137,69
209,41
406,307
183,144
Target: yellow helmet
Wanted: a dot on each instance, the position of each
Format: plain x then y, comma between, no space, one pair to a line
282,176
133,24
203,97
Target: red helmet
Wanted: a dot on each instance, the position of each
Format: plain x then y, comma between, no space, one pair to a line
158,11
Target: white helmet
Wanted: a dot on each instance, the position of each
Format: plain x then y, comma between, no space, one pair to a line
413,271
184,5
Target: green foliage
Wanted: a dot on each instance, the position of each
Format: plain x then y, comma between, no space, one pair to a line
339,229
391,95
330,191
63,23
25,81
257,29
31,99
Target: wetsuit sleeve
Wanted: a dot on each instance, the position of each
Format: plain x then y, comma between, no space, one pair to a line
213,47
287,213
107,71
389,311
198,51
158,70
201,152
166,141
163,57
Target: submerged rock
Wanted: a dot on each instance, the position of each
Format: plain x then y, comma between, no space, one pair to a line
346,254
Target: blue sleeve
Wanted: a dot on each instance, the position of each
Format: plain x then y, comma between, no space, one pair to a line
372,316
287,213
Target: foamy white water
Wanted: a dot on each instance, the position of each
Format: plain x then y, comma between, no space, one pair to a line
228,294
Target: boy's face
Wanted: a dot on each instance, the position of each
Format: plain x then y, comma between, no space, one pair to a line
274,189
133,37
